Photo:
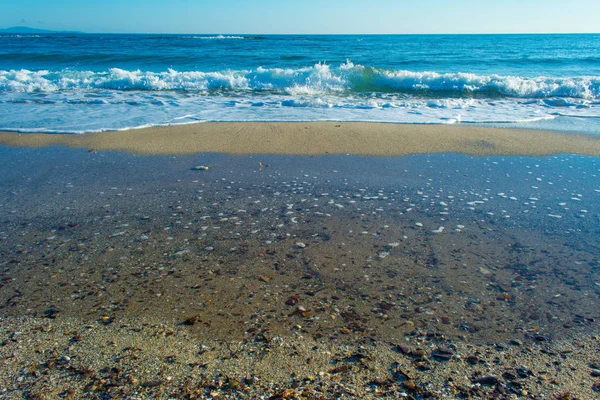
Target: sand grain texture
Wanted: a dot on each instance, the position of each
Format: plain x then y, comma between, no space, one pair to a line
316,138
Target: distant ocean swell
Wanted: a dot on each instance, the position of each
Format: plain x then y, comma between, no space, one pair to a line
312,80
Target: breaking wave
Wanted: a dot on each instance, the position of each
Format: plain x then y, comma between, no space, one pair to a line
317,79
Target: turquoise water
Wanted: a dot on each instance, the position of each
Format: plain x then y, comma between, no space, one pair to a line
82,83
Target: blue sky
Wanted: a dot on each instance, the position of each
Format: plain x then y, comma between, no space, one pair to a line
308,16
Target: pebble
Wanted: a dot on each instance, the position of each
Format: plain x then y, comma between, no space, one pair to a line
64,360
487,380
410,385
403,349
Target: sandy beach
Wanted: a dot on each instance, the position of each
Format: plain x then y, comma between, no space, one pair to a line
314,138
297,265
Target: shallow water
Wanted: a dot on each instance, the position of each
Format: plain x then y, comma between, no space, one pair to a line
336,247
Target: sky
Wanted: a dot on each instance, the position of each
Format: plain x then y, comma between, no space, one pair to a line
304,17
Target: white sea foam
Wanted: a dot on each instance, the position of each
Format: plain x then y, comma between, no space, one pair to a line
84,101
320,78
217,37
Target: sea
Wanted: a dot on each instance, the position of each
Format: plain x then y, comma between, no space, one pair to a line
77,83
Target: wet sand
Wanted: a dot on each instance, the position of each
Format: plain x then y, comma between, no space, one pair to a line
269,275
313,138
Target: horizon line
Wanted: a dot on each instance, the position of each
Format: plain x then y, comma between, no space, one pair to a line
71,31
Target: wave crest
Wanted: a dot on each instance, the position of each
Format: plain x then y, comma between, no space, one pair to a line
317,79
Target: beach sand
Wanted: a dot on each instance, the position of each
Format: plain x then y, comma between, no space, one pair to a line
312,138
298,276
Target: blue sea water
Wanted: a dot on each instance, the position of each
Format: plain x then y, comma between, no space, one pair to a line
82,82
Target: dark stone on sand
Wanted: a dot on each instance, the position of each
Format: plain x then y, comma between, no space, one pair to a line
378,382
418,353
52,312
422,366
192,320
523,372
443,354
340,369
472,360
151,384
410,385
292,300
540,338
359,357
442,357
595,373
400,374
63,360
469,327
487,380
509,376
402,349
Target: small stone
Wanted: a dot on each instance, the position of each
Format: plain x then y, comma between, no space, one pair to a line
443,354
540,338
52,312
418,353
472,360
442,357
410,385
292,300
64,360
595,373
264,278
487,380
340,369
192,320
378,382
151,384
515,342
301,245
509,376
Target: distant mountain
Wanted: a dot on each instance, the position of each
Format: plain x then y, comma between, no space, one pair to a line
28,30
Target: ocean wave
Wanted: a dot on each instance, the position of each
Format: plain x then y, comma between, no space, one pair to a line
216,37
23,36
318,79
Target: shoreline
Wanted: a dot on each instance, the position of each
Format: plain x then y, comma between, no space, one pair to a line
318,138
